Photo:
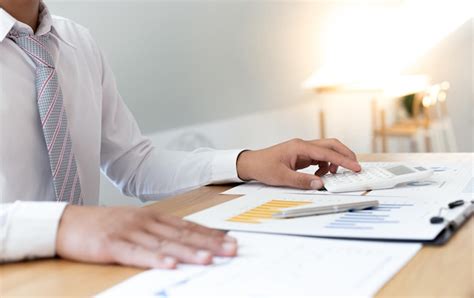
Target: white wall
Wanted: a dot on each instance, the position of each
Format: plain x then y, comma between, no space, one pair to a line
179,63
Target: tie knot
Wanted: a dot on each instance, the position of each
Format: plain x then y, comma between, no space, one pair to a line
33,45
17,33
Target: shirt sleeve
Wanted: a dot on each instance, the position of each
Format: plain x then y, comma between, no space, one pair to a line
139,169
28,229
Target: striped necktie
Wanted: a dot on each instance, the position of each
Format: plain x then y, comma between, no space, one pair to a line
53,117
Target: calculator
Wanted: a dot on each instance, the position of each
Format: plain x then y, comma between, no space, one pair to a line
374,178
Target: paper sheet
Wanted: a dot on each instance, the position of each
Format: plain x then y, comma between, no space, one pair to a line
448,181
251,187
404,212
448,177
395,218
283,266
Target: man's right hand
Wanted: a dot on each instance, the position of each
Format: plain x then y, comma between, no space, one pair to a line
137,237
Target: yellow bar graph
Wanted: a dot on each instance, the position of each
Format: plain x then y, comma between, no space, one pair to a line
265,211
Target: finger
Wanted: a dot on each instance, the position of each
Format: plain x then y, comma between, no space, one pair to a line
130,254
182,253
323,169
333,168
303,162
301,180
183,224
321,153
338,146
216,245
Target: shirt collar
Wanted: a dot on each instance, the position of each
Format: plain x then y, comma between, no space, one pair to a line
7,22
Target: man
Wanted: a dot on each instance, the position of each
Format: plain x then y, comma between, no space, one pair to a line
62,120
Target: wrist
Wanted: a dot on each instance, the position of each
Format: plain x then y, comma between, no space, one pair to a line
68,233
61,233
244,163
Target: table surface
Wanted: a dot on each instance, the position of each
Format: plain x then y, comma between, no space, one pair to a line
435,271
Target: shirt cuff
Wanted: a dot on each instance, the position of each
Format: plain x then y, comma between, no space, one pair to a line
224,167
32,229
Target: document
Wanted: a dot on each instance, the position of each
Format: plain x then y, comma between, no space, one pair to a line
404,212
395,218
449,180
279,266
448,177
251,187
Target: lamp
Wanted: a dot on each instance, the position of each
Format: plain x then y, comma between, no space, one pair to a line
368,47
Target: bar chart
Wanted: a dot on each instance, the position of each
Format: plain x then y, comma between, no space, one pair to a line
265,211
367,219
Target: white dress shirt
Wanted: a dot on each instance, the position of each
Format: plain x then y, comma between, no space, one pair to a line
104,136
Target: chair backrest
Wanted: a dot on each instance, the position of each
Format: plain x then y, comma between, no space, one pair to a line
434,102
426,110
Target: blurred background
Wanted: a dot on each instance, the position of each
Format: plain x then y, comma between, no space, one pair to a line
381,76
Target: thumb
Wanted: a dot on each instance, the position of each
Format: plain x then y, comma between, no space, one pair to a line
302,180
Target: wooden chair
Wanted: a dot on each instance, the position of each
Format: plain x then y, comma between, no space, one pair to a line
428,126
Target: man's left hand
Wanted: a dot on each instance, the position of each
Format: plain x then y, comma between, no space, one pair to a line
278,165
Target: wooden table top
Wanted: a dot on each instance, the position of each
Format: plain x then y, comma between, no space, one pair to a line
435,271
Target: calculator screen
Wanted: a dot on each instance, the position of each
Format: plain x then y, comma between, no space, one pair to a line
400,170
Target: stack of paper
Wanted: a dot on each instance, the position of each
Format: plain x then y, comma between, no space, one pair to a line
403,214
291,266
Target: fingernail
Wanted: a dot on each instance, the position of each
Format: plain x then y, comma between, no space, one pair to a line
228,238
316,184
169,262
229,248
203,256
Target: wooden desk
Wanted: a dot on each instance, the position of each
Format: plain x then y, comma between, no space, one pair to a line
434,271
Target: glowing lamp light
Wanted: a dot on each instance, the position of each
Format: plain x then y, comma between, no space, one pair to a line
369,45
